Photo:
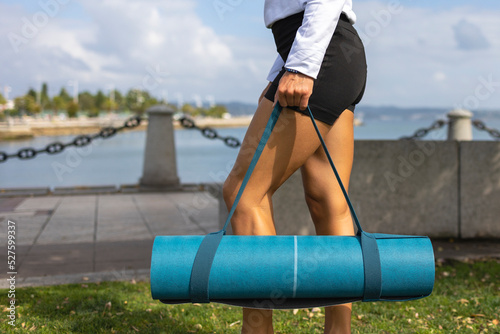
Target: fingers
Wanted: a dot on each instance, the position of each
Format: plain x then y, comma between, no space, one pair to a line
294,90
304,102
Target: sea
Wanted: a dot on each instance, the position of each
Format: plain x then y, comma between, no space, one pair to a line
118,160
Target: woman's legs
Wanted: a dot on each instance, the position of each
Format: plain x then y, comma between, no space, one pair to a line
290,145
326,202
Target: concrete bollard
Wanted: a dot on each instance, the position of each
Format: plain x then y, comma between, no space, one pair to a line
460,126
160,166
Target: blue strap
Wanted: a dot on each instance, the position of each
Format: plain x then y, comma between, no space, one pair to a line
369,248
200,273
371,265
263,140
351,208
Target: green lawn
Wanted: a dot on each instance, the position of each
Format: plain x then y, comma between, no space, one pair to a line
466,299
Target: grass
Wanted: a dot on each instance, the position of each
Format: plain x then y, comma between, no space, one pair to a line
466,299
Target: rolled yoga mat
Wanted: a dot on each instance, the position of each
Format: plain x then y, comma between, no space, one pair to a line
292,271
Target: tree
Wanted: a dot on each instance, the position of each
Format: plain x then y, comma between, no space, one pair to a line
99,100
189,109
134,100
25,104
139,100
64,95
72,109
110,105
58,103
217,111
32,93
2,99
44,96
119,100
87,101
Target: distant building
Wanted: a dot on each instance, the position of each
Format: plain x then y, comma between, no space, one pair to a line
9,105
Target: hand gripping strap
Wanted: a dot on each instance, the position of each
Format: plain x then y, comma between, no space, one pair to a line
200,273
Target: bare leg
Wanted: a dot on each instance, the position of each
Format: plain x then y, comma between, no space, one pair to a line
291,143
326,202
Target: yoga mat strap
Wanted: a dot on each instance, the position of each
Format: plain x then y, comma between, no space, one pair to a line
372,269
369,248
200,273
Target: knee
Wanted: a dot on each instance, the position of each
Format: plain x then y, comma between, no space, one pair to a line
327,206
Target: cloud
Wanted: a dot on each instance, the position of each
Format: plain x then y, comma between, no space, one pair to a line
413,58
173,46
121,43
469,36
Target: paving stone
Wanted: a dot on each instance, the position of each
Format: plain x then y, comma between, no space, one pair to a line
56,259
119,266
39,203
9,204
123,251
27,228
119,219
72,221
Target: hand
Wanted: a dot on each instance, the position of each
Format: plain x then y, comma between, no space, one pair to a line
294,90
264,92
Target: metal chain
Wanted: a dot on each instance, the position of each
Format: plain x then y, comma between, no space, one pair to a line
420,133
107,132
481,126
209,133
79,141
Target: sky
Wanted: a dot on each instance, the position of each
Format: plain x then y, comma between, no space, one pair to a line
422,53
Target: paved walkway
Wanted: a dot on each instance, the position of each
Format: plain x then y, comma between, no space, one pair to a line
63,239
95,237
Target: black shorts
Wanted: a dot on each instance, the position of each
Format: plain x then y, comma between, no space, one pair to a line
342,77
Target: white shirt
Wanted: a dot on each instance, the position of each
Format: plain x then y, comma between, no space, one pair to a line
312,38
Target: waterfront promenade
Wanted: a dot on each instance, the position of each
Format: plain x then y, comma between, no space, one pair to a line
91,237
28,127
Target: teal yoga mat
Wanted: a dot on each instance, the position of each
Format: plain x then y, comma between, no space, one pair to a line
280,272
292,271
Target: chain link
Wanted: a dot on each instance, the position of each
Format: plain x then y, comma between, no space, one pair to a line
107,132
420,133
79,141
209,133
481,126
54,148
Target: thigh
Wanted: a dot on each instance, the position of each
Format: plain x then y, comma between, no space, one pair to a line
318,178
291,143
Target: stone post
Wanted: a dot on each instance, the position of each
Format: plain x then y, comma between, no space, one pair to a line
160,167
460,126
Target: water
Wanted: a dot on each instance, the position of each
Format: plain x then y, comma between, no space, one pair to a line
118,160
